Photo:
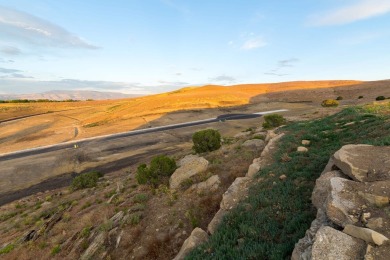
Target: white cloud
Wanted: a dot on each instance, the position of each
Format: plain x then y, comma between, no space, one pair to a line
10,50
360,10
27,28
223,78
253,43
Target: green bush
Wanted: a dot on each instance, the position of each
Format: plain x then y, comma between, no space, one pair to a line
360,97
206,141
380,98
86,180
7,249
339,98
160,166
273,120
330,103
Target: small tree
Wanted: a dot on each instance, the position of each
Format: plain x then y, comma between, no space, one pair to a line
380,98
160,166
206,141
360,97
330,103
273,120
86,180
339,98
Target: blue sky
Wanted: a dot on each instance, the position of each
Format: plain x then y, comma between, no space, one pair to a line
150,46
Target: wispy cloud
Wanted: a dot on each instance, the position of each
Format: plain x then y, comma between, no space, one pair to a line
13,74
223,79
6,60
359,10
280,66
10,50
253,43
6,71
21,26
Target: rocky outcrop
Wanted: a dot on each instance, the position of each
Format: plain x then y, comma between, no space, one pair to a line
197,237
360,207
255,143
332,244
364,162
189,166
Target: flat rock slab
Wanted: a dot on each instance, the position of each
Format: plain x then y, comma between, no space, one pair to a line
322,188
332,244
209,185
364,163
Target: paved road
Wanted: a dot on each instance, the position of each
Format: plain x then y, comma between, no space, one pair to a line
83,142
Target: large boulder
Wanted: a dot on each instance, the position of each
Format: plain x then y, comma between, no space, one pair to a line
254,143
197,237
364,163
189,166
332,244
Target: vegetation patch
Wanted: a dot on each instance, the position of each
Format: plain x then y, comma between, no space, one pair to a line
86,180
206,141
273,120
8,248
280,212
330,103
161,166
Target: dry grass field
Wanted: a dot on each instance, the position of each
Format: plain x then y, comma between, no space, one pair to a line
60,122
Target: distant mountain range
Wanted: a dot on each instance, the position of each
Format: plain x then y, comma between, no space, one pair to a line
68,94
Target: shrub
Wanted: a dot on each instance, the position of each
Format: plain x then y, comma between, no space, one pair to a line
86,180
55,250
7,249
206,141
360,97
339,98
330,103
380,98
273,120
160,166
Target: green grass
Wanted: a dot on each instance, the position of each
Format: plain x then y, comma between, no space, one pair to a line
7,249
281,211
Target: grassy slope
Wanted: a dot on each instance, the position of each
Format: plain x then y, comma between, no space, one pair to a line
281,211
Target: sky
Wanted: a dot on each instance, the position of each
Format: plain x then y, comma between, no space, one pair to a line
153,46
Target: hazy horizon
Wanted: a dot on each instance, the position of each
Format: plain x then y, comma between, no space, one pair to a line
154,46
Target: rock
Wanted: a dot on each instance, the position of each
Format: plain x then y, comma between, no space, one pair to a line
94,247
270,135
253,169
255,143
303,248
271,145
302,149
332,244
341,201
189,166
305,142
115,220
242,134
197,237
329,166
375,223
366,234
364,163
237,191
210,185
282,177
376,200
214,223
322,188
366,216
